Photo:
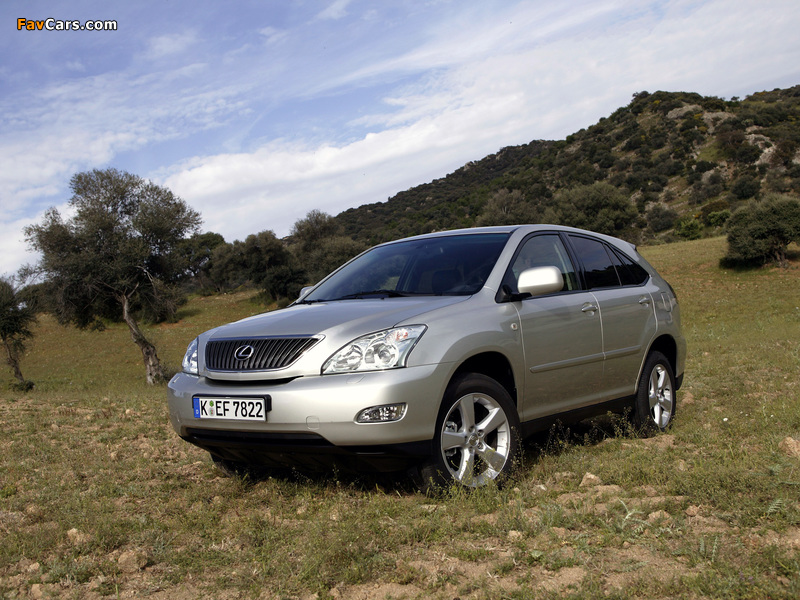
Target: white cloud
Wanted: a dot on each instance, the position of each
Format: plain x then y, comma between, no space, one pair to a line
273,35
170,44
76,66
336,10
278,184
14,252
13,249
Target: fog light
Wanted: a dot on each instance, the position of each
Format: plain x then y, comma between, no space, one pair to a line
382,414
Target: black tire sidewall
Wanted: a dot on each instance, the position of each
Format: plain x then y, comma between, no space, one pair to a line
433,474
642,418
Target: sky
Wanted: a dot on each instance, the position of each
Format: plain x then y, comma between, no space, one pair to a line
256,112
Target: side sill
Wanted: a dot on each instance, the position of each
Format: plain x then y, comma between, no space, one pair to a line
617,406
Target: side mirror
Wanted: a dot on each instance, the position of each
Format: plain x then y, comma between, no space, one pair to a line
303,292
540,280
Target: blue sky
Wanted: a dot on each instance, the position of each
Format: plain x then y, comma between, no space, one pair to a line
256,112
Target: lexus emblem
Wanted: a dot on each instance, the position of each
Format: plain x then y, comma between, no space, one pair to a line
244,352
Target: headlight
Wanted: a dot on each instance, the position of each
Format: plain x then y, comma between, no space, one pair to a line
190,359
387,349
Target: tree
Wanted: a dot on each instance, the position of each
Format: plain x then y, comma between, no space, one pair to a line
329,254
197,250
600,207
762,231
118,256
507,207
270,266
225,267
16,318
317,243
316,226
745,187
661,218
261,260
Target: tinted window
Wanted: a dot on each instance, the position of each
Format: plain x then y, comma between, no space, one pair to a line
598,268
448,265
629,272
543,251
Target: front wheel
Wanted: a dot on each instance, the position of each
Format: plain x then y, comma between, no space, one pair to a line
655,397
477,435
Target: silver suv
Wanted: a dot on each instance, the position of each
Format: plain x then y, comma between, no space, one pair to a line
438,353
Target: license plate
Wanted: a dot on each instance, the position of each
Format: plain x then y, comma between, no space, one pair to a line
234,409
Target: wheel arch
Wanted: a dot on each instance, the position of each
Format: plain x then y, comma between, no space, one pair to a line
666,345
494,365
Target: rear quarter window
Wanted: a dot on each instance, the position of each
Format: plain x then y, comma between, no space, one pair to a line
629,272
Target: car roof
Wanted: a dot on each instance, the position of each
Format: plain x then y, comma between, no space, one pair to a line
526,228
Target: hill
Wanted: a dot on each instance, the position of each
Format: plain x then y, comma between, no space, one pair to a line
667,166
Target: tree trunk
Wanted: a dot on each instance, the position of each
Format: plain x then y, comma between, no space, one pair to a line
13,361
155,372
780,257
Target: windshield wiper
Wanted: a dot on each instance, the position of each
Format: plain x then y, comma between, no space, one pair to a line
361,295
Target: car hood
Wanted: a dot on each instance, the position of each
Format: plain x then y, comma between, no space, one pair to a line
362,316
336,323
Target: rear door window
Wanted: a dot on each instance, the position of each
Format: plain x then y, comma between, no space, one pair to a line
598,268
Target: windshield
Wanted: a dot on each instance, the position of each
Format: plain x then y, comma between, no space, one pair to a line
456,265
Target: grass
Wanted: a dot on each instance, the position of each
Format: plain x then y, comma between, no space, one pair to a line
92,474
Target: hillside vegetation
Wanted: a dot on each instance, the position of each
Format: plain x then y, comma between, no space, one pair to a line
667,166
100,499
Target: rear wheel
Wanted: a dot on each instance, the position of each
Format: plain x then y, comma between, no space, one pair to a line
655,397
477,435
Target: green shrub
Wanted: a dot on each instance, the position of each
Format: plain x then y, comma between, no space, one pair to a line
762,231
718,218
689,228
745,187
661,218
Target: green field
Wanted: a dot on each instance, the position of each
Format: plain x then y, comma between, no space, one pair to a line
100,499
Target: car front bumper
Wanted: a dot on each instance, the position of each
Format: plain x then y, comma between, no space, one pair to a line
312,420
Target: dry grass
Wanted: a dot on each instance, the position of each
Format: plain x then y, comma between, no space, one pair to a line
99,498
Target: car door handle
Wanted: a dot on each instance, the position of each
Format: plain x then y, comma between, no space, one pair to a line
644,301
589,308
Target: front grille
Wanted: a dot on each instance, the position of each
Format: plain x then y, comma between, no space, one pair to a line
267,353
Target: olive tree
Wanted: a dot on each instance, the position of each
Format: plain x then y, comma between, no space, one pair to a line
319,245
16,318
118,256
316,226
261,260
762,231
329,254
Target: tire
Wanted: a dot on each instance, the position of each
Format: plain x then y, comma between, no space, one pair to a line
656,398
477,436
